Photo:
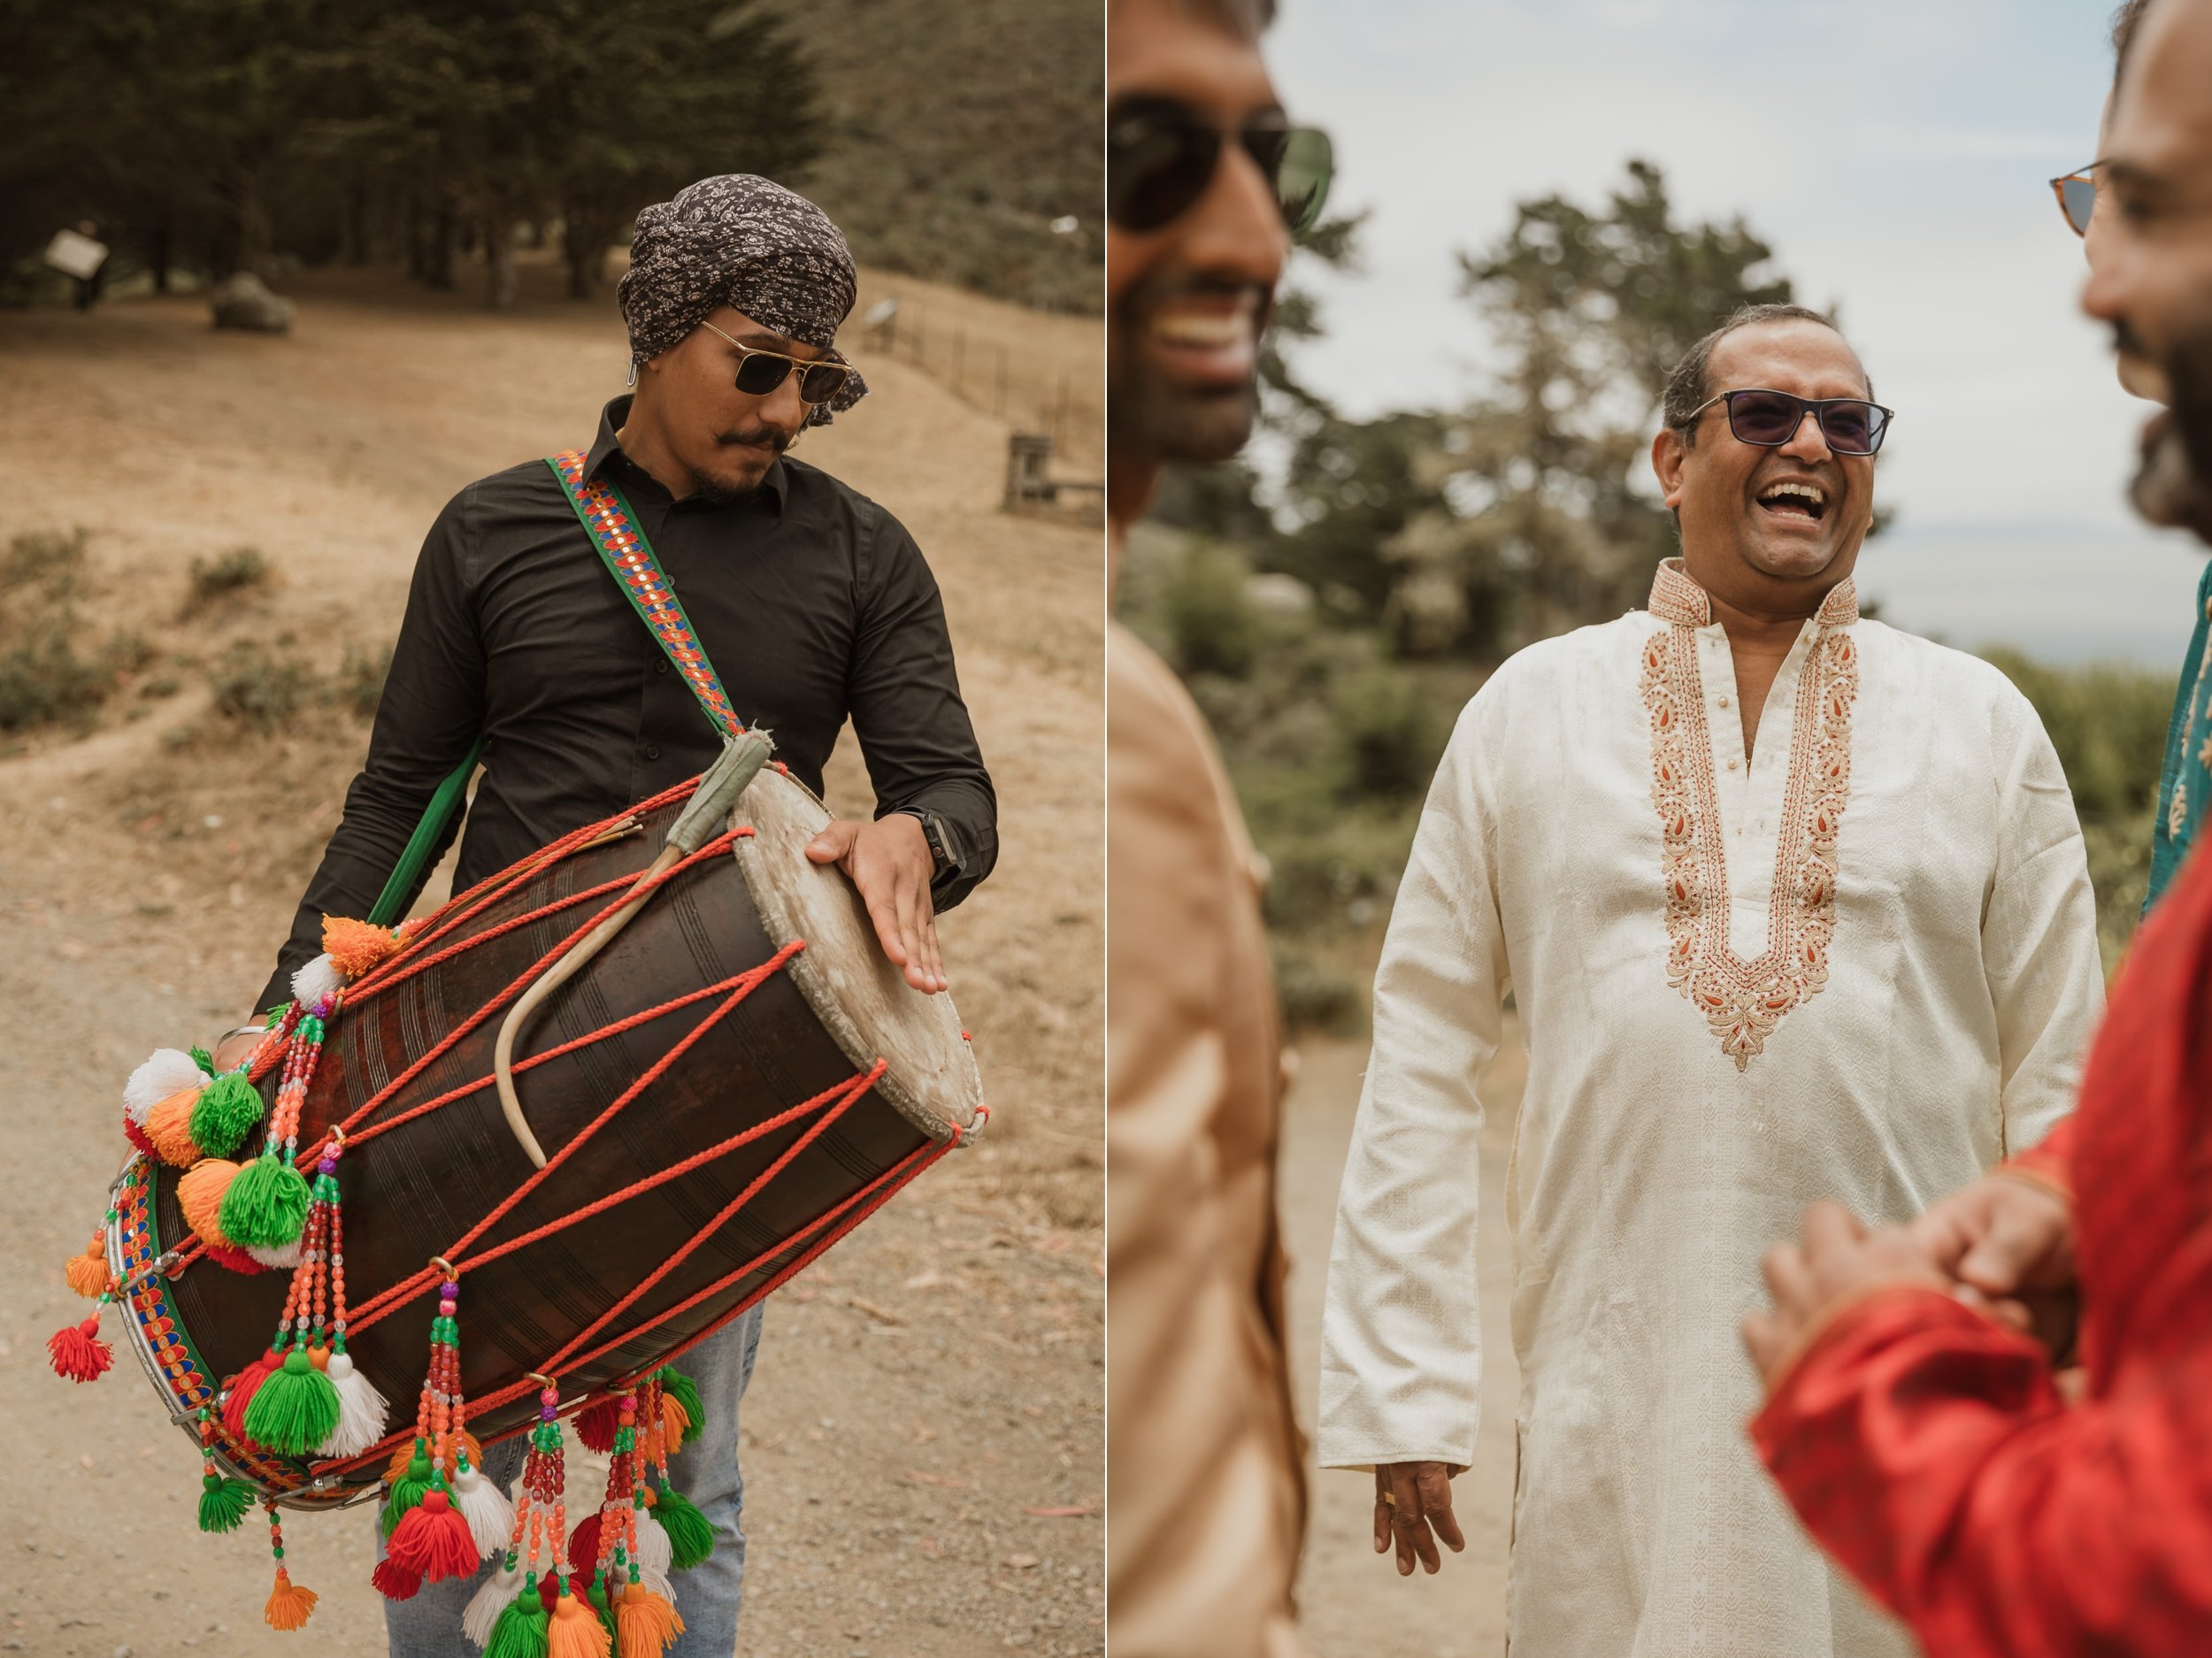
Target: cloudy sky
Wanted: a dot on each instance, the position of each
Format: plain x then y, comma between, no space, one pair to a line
1892,152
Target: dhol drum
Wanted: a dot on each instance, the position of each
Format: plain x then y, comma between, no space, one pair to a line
732,1082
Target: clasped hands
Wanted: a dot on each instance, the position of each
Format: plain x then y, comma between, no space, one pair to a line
2004,1245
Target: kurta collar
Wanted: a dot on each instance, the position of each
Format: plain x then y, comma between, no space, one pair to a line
1676,598
772,483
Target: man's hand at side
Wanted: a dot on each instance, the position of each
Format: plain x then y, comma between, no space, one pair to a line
1413,1500
889,864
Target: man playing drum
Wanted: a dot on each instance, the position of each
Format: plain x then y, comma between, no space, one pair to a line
813,602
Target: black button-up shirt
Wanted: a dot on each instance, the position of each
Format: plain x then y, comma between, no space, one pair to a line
812,602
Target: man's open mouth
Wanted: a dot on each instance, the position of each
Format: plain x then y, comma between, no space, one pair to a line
1795,500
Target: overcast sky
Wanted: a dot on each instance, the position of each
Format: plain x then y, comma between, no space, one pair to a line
1892,152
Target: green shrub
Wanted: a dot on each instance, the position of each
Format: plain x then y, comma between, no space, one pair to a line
43,681
241,570
1211,626
260,688
359,684
1390,729
1316,996
44,557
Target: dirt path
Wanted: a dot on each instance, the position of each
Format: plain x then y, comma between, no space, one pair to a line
1351,1599
938,1376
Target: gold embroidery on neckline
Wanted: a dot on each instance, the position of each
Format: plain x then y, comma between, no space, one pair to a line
1743,1001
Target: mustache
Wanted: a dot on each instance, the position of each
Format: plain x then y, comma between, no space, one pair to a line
1159,287
760,436
2126,341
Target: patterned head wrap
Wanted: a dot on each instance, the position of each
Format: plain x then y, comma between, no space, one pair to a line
739,240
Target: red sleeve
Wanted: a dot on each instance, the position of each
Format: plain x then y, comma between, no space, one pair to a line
1927,1450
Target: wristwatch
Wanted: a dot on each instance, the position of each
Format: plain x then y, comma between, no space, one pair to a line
945,850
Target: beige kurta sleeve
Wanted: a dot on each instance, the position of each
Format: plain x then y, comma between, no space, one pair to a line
1204,1482
2040,929
1400,1337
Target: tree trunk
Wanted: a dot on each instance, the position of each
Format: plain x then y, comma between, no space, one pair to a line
257,236
356,231
157,253
500,278
584,244
438,272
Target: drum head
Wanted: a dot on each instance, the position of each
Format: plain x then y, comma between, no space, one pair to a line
861,999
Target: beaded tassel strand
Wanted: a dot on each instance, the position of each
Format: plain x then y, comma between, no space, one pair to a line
76,1350
288,1605
430,1538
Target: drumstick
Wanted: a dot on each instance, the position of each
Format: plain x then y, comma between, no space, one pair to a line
700,819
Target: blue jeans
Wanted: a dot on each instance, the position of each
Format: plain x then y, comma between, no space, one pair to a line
429,1626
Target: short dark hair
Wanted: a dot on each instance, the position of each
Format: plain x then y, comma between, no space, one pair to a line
1690,385
2125,22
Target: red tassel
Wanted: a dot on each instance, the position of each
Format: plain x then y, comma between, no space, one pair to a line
596,1426
433,1539
230,1256
78,1352
241,1391
137,1138
394,1581
583,1546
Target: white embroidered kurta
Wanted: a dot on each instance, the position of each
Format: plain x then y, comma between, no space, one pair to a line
1860,963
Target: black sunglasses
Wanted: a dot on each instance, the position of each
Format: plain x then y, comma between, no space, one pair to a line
1161,156
1852,425
760,373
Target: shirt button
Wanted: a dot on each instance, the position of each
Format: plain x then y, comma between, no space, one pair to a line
661,666
1731,765
652,751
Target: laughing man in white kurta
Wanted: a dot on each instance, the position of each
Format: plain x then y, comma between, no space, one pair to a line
1857,961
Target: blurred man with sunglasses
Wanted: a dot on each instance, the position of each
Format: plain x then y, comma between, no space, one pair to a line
1914,1419
813,602
1791,904
1206,183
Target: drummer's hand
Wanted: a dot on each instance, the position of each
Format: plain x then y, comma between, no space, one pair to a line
234,1051
889,864
1411,1501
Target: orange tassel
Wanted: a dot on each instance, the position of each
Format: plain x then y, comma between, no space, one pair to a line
289,1603
87,1273
646,1624
169,1126
575,1630
200,1195
355,946
675,1417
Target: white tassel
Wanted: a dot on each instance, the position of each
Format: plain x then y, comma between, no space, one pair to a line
284,1256
491,1517
361,1411
655,1553
316,982
499,1593
170,1071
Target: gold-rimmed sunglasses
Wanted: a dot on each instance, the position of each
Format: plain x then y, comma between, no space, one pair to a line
760,373
2077,193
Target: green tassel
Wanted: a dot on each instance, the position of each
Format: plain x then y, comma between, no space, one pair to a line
686,1393
690,1538
227,1110
521,1630
409,1492
602,1605
223,1502
265,1206
295,1409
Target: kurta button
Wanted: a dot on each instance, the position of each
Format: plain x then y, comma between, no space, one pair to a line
652,751
1731,765
1724,702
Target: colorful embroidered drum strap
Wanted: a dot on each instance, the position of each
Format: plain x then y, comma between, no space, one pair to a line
614,531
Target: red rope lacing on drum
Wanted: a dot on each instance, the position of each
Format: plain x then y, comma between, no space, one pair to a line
416,957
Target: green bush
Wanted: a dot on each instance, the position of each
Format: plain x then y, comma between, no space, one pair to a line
1211,626
1315,996
1391,732
261,688
359,684
43,681
44,557
241,570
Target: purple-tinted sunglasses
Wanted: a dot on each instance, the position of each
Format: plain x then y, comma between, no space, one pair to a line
1852,425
